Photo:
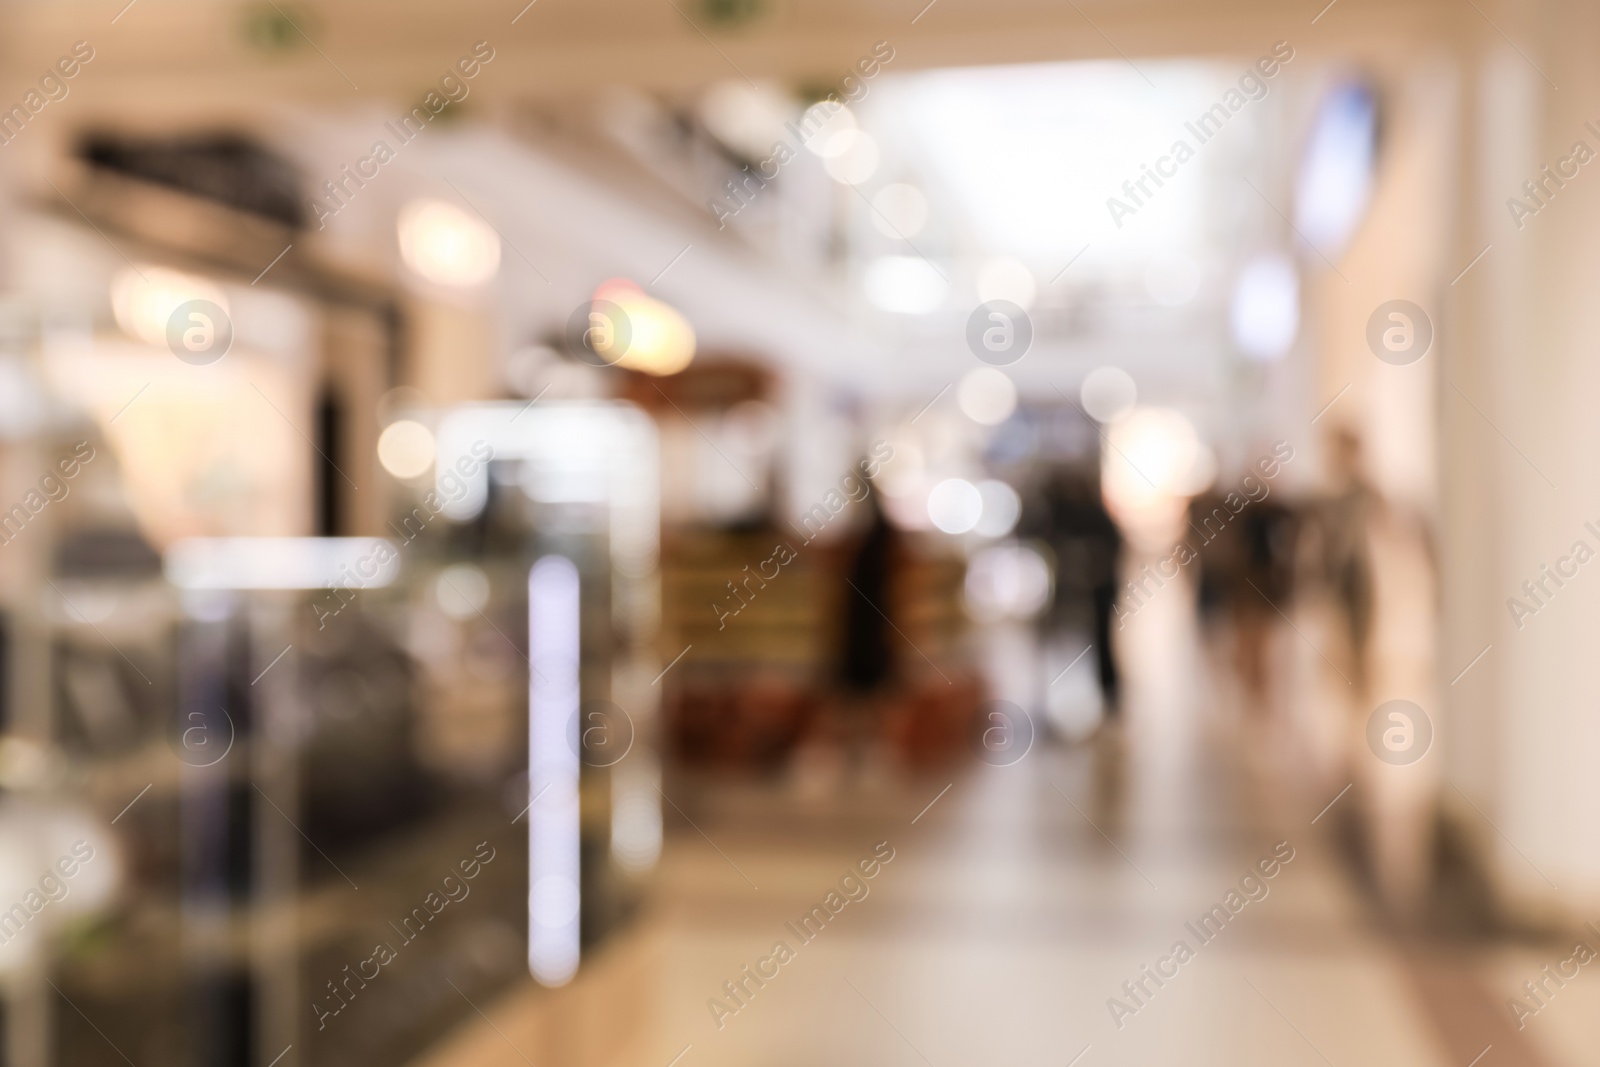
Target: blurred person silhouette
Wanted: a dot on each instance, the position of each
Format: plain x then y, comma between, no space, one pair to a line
1264,557
1073,520
866,664
1375,559
1345,564
1217,562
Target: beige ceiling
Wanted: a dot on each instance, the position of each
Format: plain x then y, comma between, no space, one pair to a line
172,56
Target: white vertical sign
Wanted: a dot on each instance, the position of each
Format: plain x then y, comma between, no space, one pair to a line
553,873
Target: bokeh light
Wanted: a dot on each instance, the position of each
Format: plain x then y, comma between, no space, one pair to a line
1007,581
405,448
955,506
1002,507
1265,315
987,396
1108,393
827,125
853,157
462,590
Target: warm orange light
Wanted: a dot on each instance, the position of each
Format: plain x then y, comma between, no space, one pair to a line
654,336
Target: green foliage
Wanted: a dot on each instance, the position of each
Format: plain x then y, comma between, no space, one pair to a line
271,30
732,14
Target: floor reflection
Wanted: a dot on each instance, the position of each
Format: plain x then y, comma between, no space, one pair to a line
1178,888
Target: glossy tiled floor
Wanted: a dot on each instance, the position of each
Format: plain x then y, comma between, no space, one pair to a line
1017,906
1012,912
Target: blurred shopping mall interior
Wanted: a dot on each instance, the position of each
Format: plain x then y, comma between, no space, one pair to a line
684,533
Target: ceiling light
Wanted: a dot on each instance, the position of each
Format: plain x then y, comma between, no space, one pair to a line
655,338
144,298
446,245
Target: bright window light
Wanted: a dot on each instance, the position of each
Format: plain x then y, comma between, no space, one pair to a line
1266,308
1059,138
1335,180
1007,279
447,245
281,562
1172,280
571,451
824,125
855,158
899,210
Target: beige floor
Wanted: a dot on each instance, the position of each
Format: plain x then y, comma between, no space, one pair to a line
1020,902
1006,922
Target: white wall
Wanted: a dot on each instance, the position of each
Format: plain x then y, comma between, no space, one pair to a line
1524,324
